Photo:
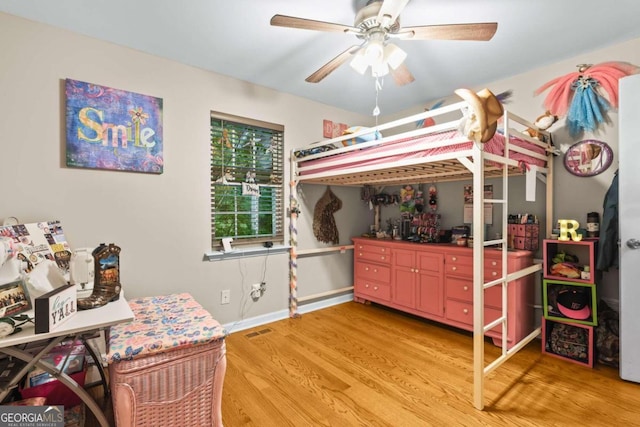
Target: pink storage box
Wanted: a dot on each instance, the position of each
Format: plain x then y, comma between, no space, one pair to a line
55,392
167,367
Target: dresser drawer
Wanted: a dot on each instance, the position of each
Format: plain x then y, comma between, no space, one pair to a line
492,263
459,265
462,266
375,249
373,289
375,253
462,290
463,312
375,272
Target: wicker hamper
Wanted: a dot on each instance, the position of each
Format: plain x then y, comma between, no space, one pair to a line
167,367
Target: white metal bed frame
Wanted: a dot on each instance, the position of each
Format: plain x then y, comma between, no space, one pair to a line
454,166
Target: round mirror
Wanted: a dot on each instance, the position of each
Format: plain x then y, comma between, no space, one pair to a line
588,157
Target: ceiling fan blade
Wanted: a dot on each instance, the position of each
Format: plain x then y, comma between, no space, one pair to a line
389,11
478,31
330,66
401,75
309,24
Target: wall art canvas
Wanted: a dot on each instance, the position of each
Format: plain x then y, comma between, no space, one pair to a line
113,129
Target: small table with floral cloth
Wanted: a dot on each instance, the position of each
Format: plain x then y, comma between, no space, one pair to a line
167,366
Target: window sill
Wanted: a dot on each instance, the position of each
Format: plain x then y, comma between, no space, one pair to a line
244,253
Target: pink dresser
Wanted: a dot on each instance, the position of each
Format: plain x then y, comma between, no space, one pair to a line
167,367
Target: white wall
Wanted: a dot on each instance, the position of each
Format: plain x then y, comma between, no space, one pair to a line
161,222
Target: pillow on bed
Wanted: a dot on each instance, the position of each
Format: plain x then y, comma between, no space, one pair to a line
374,135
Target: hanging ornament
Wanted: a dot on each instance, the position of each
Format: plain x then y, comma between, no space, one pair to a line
433,197
324,224
580,95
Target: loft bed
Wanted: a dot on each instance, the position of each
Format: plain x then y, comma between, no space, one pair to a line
450,151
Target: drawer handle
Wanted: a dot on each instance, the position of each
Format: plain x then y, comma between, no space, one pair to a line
375,288
416,271
465,288
454,268
494,274
494,263
359,253
366,269
465,311
375,270
366,286
360,247
382,258
454,258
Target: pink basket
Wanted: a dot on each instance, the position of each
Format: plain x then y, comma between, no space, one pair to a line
176,388
55,392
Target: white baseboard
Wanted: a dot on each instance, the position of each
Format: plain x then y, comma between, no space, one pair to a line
263,319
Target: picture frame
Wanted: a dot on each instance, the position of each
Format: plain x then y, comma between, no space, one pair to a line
113,129
588,157
14,298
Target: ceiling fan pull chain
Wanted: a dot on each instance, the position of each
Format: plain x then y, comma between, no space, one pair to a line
376,111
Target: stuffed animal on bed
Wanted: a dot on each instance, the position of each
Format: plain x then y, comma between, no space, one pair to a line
543,122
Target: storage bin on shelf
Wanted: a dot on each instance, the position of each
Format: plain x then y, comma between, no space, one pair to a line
68,357
569,341
523,236
580,256
167,366
570,301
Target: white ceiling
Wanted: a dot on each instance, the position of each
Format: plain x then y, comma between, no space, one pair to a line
234,38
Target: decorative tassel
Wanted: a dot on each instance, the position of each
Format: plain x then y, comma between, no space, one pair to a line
579,95
588,108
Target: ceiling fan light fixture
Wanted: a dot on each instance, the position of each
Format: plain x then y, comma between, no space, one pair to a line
374,52
394,56
359,62
379,70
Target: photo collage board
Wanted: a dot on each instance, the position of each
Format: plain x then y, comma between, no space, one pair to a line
36,242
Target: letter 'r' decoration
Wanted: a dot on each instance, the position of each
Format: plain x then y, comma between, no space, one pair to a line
569,227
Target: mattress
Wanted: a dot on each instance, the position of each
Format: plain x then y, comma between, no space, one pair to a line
418,149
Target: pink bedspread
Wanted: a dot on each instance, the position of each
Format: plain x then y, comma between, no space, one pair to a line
357,158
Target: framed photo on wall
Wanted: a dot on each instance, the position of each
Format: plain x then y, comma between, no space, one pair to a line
112,129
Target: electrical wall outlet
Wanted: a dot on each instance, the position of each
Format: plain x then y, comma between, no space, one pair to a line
255,291
225,296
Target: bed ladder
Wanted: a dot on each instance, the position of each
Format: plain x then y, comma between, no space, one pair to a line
480,371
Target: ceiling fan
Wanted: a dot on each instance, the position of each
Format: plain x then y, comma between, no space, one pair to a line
375,24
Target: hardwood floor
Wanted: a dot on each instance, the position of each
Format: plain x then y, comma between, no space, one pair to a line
364,365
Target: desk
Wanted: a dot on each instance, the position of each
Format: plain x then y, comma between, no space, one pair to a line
84,323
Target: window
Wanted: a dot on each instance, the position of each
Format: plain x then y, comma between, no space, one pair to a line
246,180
